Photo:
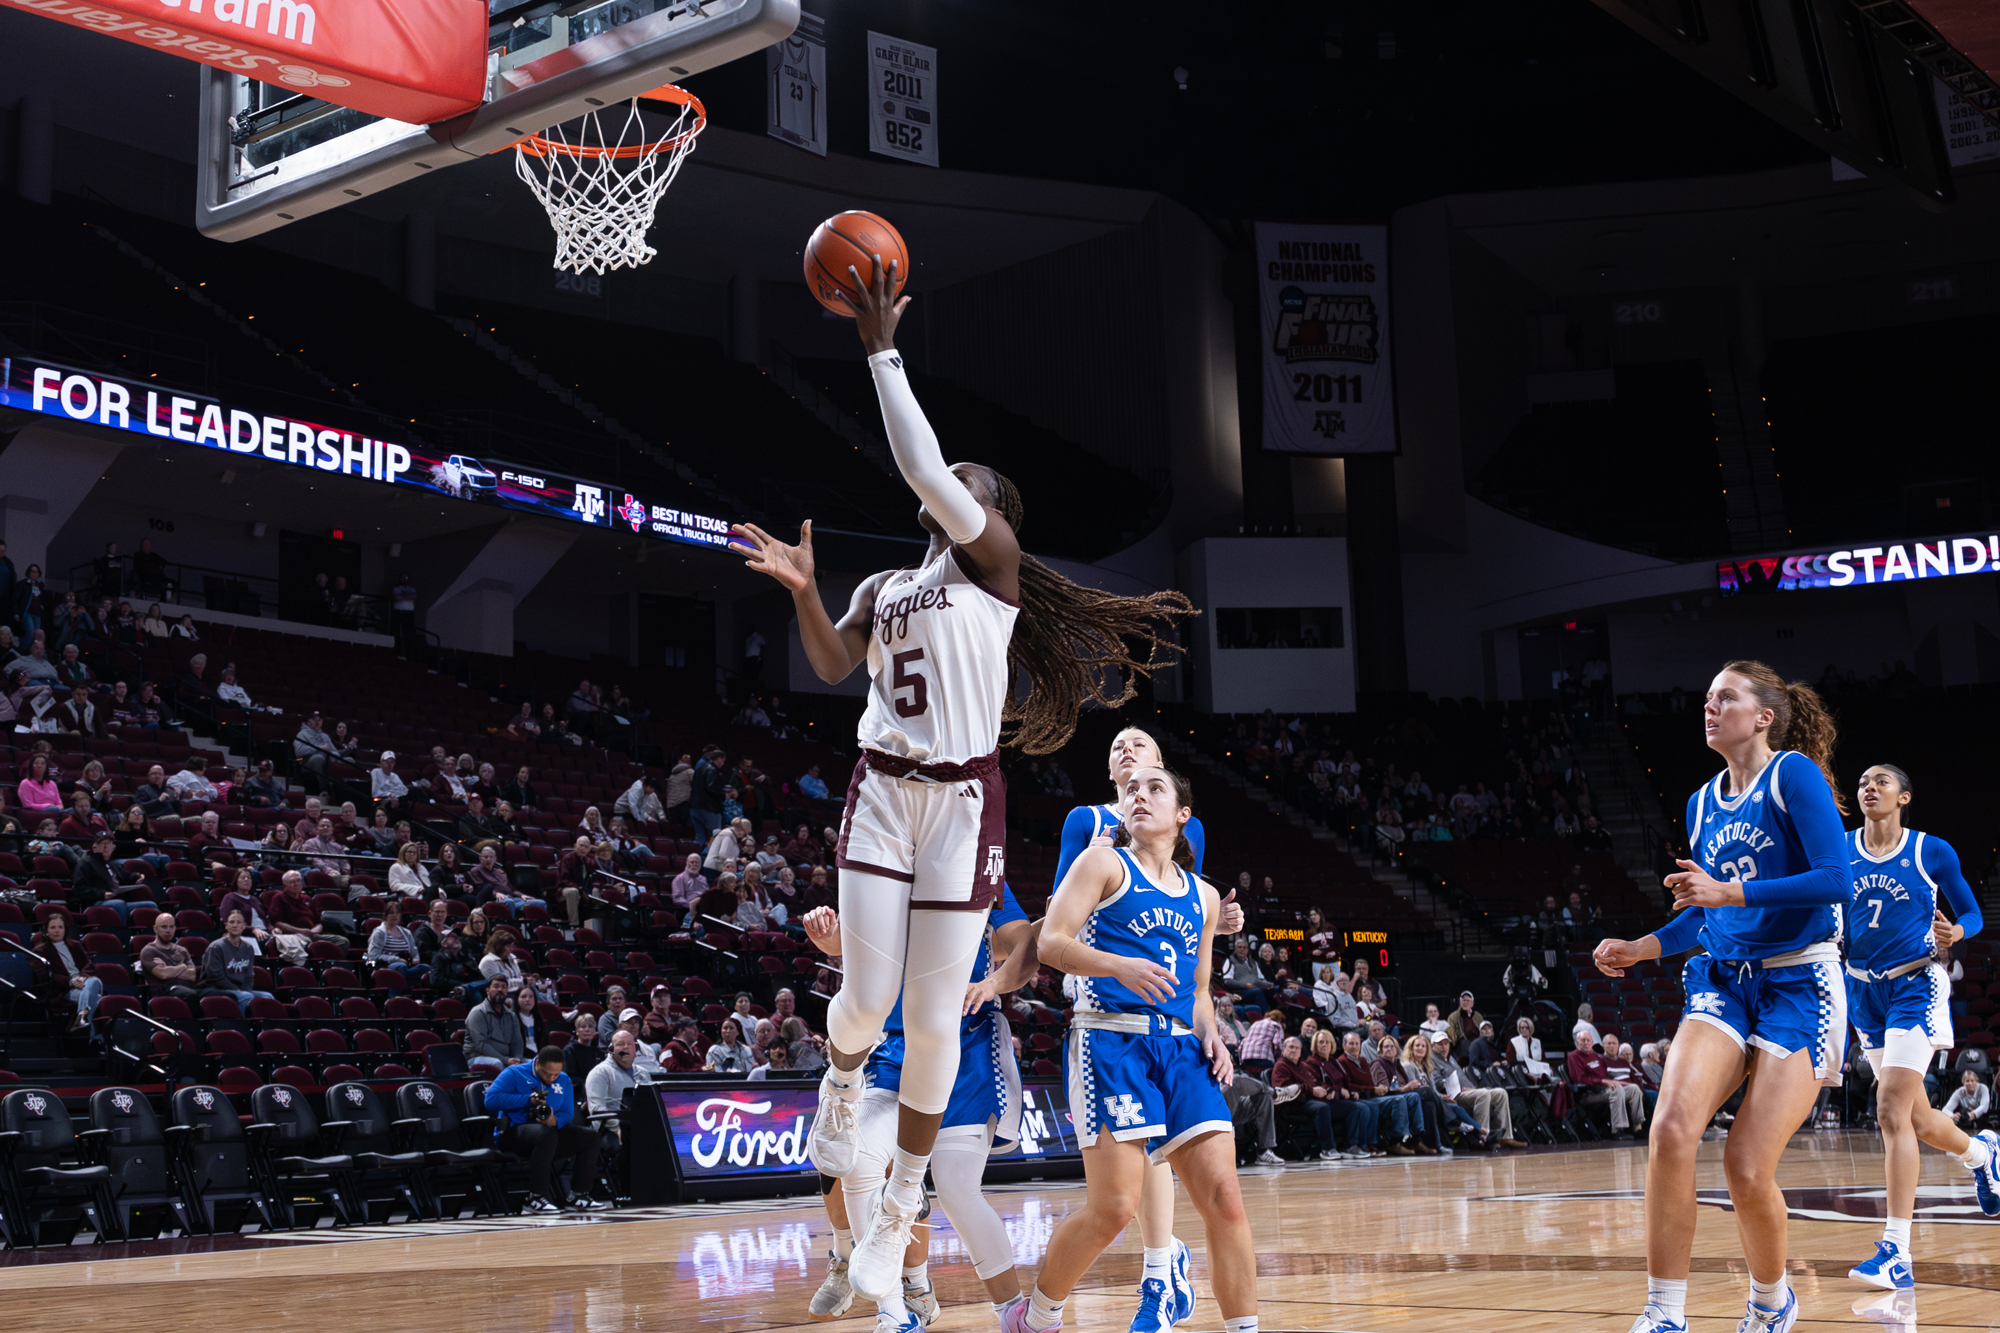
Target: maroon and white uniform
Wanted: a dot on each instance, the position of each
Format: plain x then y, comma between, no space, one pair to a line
927,805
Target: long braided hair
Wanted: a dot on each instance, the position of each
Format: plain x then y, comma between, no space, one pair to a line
1071,640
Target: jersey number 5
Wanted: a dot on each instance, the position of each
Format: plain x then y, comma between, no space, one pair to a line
920,691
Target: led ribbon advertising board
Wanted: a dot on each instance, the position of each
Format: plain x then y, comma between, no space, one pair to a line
1902,562
164,414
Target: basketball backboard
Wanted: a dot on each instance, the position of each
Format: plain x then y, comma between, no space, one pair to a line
272,153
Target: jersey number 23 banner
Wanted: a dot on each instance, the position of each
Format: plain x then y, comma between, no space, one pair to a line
1323,303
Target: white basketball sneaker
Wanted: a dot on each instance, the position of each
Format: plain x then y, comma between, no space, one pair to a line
1646,1323
1181,1283
876,1268
1759,1319
831,1145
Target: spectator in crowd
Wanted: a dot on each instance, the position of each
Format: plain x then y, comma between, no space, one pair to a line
8,578
191,783
1653,1061
705,797
1488,1108
144,709
534,1106
487,880
812,784
34,663
184,629
1527,1048
641,803
378,838
66,975
1229,1025
264,789
520,792
777,1060
30,594
392,946
1358,1073
1243,978
605,1086
476,825
290,912
149,572
38,792
168,967
72,670
1596,1087
573,875
1295,1081
435,926
229,964
1484,1052
1968,1104
1464,1023
1584,1015
1433,1026
525,1002
1261,1040
326,853
1421,1066
77,715
492,1031
390,792
731,1055
447,875
499,964
154,796
808,1048
454,965
1355,1113
1424,1116
229,691
83,823
242,897
311,746
478,934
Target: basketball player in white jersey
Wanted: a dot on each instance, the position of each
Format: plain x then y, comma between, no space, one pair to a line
922,842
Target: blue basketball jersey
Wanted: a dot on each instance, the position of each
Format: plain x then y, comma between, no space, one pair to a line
982,965
1896,896
1772,838
1087,821
1145,920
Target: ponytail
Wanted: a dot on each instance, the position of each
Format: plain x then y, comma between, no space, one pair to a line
1800,719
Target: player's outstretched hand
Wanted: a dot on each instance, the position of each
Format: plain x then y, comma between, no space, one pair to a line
822,927
789,565
1614,956
1146,979
1695,887
978,993
1219,1062
878,309
1232,916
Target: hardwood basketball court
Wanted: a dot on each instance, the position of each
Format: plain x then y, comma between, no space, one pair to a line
1538,1240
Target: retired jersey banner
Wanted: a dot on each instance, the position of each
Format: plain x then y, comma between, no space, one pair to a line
1323,302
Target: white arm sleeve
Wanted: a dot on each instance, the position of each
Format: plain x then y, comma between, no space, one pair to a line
918,456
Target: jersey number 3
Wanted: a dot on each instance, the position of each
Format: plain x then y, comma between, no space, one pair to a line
919,701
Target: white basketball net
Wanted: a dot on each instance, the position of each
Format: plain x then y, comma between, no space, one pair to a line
600,191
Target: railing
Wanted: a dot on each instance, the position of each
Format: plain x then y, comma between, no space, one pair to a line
134,350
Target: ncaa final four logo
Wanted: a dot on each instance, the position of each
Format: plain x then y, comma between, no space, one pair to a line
1326,326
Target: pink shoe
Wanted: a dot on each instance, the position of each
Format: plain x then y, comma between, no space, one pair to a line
1015,1320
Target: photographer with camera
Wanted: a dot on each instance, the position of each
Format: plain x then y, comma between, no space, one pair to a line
534,1105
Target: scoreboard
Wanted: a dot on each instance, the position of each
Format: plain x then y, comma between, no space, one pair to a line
1375,946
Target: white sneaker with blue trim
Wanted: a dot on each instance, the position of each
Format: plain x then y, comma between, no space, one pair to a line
1155,1314
1180,1282
1889,1269
1986,1179
1760,1319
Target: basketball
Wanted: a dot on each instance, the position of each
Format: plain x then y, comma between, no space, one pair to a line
846,240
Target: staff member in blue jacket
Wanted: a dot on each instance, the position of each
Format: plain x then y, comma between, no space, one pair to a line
533,1105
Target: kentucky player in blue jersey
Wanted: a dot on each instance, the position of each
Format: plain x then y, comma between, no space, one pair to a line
1143,1060
1899,1000
984,1113
1762,893
1166,1256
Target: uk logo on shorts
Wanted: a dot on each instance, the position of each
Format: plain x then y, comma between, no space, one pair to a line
1125,1112
1705,1002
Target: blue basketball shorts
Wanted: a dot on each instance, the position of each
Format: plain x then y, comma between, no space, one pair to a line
1802,1007
1919,1002
1141,1086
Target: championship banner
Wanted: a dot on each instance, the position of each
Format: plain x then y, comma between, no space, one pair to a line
903,87
1323,307
417,61
795,80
